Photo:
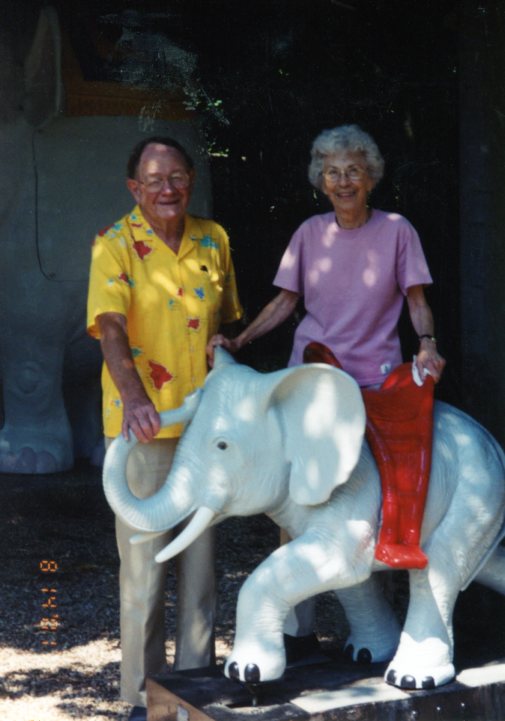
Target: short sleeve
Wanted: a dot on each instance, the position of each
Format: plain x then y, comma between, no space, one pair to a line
289,275
412,268
231,309
109,282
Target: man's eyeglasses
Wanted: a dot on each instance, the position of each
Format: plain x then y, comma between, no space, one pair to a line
180,181
335,175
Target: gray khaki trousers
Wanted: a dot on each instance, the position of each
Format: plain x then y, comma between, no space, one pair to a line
142,586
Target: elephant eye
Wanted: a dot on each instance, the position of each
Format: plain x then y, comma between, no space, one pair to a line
222,445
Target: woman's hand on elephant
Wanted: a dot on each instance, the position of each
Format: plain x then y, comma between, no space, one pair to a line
272,315
428,359
141,417
230,344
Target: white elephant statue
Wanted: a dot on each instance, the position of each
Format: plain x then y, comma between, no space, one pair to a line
291,444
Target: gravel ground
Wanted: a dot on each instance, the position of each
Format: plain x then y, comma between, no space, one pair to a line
59,627
59,648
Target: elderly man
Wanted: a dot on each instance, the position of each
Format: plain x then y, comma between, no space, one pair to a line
161,283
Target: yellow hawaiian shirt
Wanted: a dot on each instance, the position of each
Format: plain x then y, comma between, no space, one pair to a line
173,304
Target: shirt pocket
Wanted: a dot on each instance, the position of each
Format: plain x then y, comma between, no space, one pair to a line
205,291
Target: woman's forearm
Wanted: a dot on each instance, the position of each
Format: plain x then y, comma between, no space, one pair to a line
272,315
428,357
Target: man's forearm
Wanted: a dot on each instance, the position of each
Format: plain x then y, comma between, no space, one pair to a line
118,357
139,413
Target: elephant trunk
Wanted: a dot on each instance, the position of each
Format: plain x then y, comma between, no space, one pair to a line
163,510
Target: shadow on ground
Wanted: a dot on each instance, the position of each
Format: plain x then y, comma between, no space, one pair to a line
59,587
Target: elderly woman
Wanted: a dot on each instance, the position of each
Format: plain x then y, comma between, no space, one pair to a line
353,266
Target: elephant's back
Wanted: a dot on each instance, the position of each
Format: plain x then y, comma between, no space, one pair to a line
467,479
468,436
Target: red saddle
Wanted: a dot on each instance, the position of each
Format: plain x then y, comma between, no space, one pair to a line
399,431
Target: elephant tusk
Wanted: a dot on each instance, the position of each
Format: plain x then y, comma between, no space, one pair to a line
197,525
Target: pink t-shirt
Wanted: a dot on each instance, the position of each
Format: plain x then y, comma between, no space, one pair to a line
354,283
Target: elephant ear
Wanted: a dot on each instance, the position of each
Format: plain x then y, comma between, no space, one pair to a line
43,83
322,417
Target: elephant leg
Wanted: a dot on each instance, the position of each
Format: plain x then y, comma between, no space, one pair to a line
300,620
425,653
294,572
424,658
36,436
492,574
258,651
374,628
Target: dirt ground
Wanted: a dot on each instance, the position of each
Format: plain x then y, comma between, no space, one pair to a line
59,648
59,630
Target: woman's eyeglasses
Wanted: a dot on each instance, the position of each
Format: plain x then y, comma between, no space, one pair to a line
335,175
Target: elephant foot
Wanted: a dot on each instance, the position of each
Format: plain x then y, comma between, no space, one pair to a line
426,677
253,663
33,453
372,650
363,656
28,461
251,673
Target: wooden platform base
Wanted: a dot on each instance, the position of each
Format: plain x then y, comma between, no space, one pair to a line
327,691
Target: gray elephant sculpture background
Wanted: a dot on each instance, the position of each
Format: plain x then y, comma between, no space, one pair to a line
63,150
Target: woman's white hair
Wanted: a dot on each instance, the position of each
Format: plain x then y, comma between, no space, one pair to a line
345,137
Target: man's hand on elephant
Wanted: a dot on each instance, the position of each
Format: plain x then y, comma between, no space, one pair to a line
142,418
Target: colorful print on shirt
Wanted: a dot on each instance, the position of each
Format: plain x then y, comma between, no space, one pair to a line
172,302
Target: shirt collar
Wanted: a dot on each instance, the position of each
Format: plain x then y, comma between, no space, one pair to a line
141,230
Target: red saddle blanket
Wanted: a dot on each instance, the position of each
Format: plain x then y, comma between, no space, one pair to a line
399,430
